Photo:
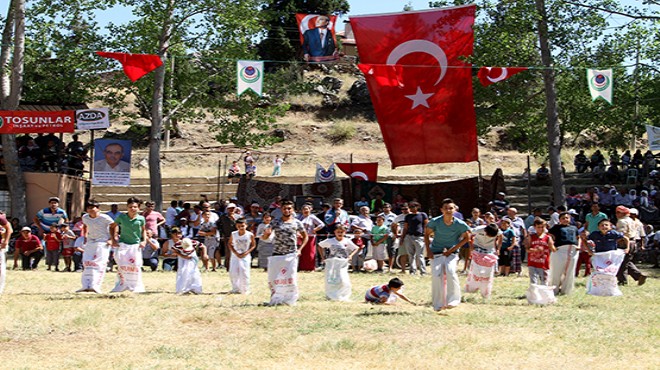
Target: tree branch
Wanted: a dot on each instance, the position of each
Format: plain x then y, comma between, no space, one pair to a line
593,7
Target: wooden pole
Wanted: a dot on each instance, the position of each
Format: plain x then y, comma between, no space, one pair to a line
529,187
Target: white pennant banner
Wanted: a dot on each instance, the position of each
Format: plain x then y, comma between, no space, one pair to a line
250,76
600,84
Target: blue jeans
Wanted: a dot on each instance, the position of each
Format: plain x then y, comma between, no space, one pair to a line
151,262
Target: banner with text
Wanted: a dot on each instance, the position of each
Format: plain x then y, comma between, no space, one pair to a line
92,119
29,122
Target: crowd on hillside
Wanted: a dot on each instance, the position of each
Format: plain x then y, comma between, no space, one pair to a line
641,168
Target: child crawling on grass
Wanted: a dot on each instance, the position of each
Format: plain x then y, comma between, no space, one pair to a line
382,294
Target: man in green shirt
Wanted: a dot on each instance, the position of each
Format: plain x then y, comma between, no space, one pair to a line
128,247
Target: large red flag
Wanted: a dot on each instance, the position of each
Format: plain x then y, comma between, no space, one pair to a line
135,65
490,75
365,171
420,86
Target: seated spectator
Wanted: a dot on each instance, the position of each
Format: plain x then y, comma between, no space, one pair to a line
234,170
637,159
363,202
28,155
543,173
626,158
581,162
50,157
623,198
596,159
573,199
499,205
612,174
614,157
598,171
649,164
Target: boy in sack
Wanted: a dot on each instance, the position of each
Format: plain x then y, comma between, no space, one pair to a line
340,250
386,294
241,244
539,246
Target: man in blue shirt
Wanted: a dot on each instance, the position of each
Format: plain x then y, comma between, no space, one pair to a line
449,234
51,215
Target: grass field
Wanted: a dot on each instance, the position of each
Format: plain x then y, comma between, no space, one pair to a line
46,325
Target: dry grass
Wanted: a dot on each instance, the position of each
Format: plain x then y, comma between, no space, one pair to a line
46,325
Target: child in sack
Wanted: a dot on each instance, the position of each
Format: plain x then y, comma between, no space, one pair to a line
241,244
386,294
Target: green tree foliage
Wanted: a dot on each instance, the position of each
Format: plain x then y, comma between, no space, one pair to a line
282,40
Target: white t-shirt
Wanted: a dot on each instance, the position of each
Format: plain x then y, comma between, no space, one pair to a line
338,248
98,227
241,243
170,216
482,240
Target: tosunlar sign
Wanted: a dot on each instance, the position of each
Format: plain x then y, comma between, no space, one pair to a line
26,122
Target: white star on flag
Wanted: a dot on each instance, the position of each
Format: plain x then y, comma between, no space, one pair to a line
419,98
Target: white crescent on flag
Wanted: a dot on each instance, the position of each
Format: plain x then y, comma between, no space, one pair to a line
361,175
501,77
420,46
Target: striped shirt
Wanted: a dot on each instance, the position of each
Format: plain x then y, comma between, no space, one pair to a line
47,217
376,293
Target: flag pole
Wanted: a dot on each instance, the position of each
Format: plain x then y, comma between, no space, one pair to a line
479,184
352,184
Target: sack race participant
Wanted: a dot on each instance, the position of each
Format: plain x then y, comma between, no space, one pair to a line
340,251
386,294
96,242
606,259
283,265
5,234
128,254
486,243
241,244
449,235
539,246
188,277
564,260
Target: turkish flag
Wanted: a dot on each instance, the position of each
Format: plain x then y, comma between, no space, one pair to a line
490,75
364,171
420,85
135,65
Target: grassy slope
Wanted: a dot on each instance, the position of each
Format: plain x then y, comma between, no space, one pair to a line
46,325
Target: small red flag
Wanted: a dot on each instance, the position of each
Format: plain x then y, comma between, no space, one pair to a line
135,65
419,82
365,171
490,75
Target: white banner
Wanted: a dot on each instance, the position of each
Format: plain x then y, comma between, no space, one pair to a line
92,119
600,84
283,279
653,134
250,76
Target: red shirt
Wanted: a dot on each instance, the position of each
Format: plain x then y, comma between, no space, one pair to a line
152,219
27,245
53,241
539,252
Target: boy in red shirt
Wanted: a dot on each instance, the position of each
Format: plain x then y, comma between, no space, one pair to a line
539,245
29,247
53,243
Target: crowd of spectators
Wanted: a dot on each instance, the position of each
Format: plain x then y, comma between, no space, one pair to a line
47,153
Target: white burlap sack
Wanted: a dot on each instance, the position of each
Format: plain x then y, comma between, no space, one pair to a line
337,281
480,276
188,277
129,275
541,294
603,281
283,279
95,261
370,265
239,274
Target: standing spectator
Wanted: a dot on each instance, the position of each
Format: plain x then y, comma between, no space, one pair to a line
379,235
388,220
506,247
277,165
413,237
253,217
170,215
29,247
336,216
248,160
628,228
449,235
50,215
397,233
312,226
265,247
114,211
53,243
6,231
153,219
500,205
208,230
227,225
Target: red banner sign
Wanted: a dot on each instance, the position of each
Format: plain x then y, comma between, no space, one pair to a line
27,122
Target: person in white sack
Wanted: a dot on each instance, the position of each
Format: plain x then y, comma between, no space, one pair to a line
96,247
340,251
241,244
188,278
486,243
449,235
128,255
5,234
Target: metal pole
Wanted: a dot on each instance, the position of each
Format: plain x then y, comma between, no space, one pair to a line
217,196
480,184
529,187
91,161
634,122
222,187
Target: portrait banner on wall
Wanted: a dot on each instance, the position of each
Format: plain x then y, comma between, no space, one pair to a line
112,162
92,119
317,36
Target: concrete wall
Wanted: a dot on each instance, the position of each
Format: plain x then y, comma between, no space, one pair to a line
41,186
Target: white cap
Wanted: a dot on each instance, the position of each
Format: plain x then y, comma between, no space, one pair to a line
634,211
231,205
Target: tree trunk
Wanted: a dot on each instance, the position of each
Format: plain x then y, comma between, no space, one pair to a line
552,125
11,96
155,175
